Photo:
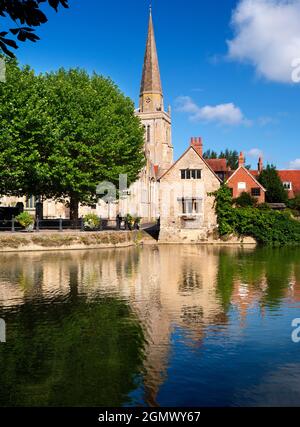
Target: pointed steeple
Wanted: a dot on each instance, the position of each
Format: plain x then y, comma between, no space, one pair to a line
151,96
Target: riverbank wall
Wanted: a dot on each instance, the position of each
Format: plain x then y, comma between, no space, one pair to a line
76,240
71,240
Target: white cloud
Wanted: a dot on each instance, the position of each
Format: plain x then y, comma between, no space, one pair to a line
267,34
255,152
295,164
226,114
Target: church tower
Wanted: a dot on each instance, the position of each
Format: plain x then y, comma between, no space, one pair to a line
157,122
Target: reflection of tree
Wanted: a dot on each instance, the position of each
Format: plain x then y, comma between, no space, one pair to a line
225,278
67,354
265,271
279,266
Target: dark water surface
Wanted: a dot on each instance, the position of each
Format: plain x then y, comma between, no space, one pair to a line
167,326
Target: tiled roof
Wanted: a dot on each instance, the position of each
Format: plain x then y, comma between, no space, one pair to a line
292,176
217,165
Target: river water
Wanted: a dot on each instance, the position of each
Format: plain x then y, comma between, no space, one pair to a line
152,326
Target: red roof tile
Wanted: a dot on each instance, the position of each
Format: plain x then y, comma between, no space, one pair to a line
293,177
217,165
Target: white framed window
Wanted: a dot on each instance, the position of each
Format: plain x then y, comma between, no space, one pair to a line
288,185
242,186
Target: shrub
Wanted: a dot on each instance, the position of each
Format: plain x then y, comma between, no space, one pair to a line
25,219
264,206
294,204
245,200
91,222
266,226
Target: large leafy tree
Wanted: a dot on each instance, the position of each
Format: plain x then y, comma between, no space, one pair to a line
25,134
96,136
26,15
64,133
269,178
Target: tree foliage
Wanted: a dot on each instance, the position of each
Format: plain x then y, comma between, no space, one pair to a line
269,179
65,132
27,14
245,200
26,128
266,226
232,157
294,204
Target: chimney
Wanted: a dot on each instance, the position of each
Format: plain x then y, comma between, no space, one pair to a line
198,145
260,165
241,159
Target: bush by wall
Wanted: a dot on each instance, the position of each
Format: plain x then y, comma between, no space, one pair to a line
266,226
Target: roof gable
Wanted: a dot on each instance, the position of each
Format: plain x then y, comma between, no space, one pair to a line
182,156
245,171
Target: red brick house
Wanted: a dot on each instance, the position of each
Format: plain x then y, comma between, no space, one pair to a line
243,181
289,178
291,182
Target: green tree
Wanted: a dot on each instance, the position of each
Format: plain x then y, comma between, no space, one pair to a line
232,157
96,136
24,138
27,15
210,154
269,178
64,133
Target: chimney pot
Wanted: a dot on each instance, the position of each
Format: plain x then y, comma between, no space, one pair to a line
260,165
197,143
241,159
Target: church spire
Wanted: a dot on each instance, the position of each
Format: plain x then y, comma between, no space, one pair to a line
151,96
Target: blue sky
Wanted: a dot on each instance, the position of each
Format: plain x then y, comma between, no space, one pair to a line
235,95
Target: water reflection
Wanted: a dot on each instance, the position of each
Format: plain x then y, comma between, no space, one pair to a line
170,325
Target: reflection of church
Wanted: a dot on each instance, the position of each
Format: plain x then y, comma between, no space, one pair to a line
185,298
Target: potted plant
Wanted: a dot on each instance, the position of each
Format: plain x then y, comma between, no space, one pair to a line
91,222
26,221
129,220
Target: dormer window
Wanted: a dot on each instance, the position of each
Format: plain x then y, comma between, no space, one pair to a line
288,186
